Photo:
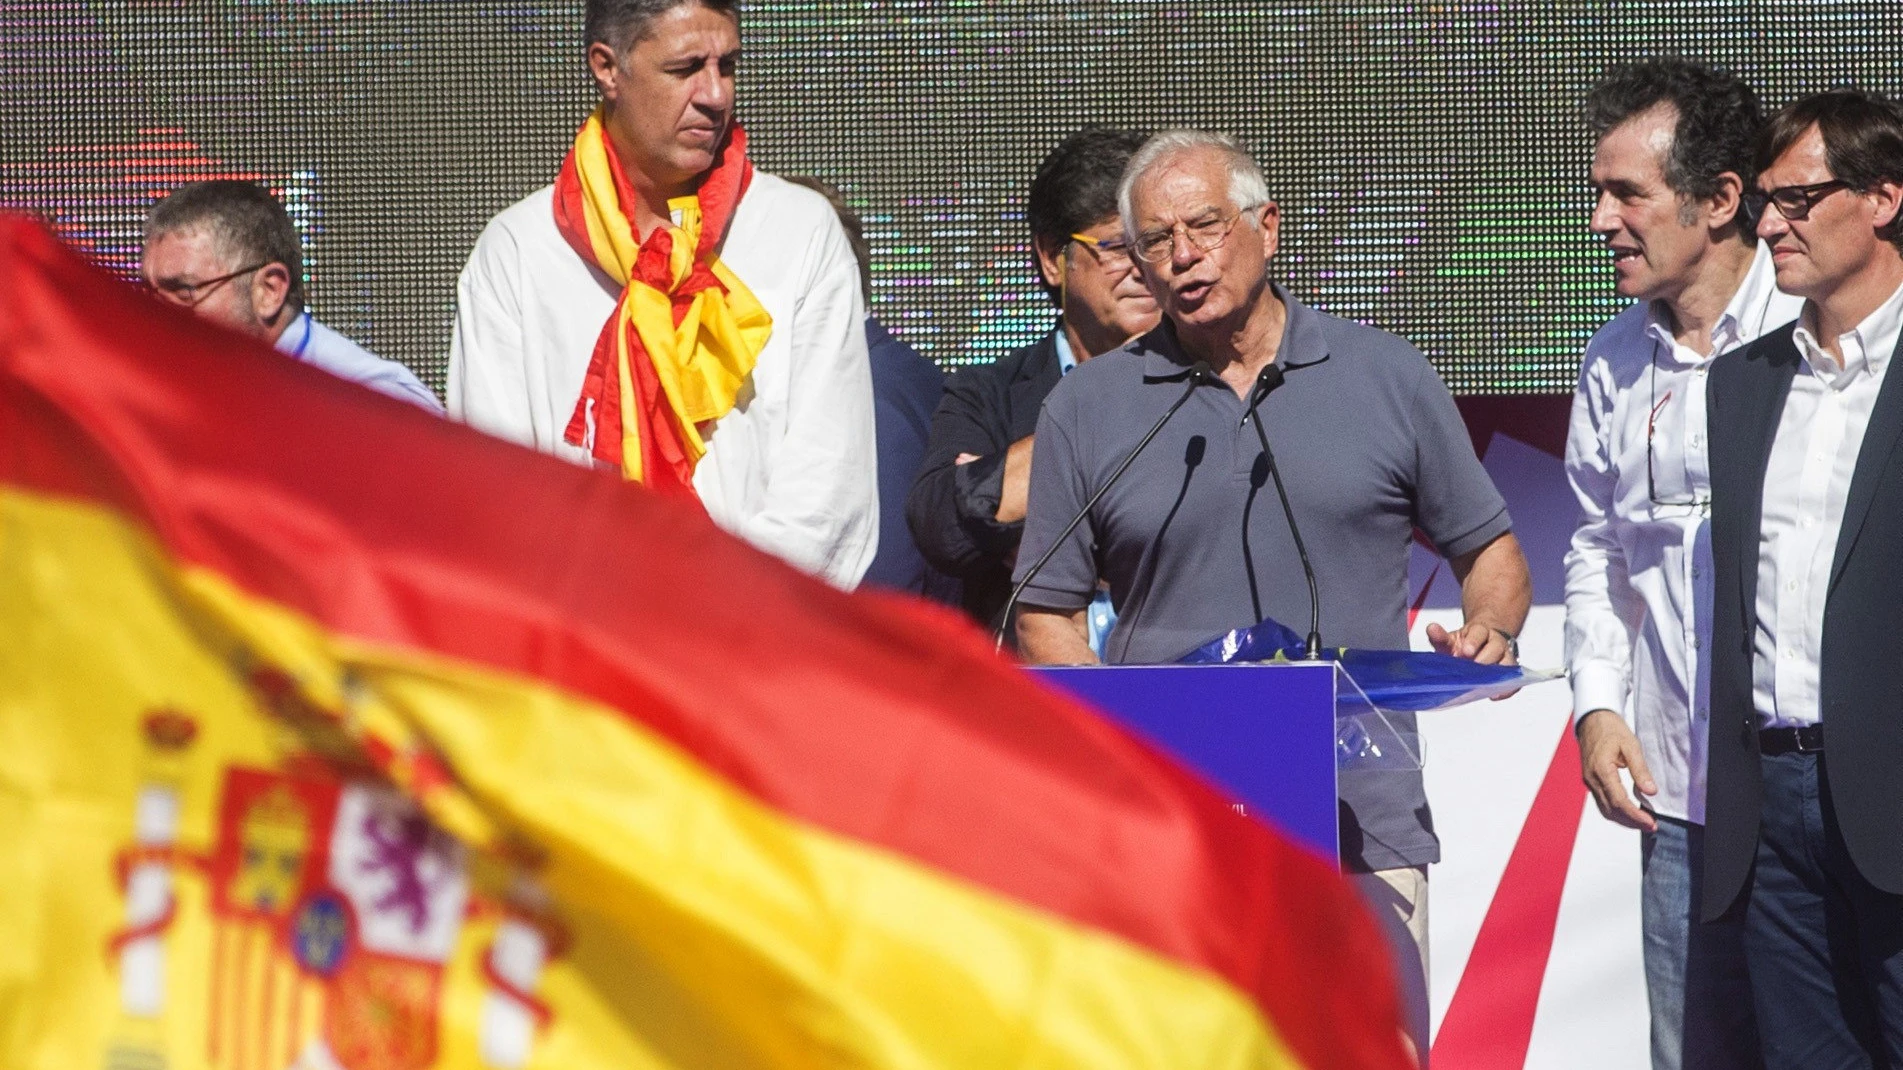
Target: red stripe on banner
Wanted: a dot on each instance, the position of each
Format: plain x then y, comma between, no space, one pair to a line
1489,1024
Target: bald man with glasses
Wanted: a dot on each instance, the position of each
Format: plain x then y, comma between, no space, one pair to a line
227,251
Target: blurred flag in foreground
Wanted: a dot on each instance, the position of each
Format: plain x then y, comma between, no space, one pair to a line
336,736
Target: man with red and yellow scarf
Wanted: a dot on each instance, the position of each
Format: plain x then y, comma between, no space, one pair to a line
668,311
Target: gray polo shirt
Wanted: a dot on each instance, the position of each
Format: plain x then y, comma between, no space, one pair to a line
1371,448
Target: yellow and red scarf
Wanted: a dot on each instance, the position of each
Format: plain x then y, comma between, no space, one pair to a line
686,332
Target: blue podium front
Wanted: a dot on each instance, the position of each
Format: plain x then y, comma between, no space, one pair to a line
1265,734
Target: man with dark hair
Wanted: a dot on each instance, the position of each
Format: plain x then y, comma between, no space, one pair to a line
669,312
967,508
1672,163
1368,444
227,250
1804,816
906,389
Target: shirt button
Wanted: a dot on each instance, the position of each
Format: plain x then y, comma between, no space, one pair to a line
1698,439
1791,586
1697,643
1695,573
1789,653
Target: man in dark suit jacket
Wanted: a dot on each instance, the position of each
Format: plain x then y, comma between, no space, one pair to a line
1804,811
966,509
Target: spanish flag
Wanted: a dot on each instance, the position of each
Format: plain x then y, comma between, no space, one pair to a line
336,736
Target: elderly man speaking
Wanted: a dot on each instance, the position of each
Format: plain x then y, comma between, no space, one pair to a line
1369,446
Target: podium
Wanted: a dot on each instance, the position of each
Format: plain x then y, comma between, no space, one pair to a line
1273,736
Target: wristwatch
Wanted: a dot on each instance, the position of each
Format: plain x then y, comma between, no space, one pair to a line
1513,643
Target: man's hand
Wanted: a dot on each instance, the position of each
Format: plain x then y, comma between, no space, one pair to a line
1606,746
1475,641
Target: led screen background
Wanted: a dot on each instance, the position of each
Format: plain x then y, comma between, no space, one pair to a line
1429,158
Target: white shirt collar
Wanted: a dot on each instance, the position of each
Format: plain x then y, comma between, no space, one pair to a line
1742,318
1867,346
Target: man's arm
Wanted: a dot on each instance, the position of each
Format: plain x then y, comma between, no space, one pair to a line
953,507
1600,604
1054,636
488,381
1496,591
821,509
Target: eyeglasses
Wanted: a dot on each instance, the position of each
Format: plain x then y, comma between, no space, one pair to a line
1206,233
192,294
1112,254
1690,501
1793,202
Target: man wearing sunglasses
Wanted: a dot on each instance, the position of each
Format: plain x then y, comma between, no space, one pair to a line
966,509
1192,539
227,251
1671,165
1804,812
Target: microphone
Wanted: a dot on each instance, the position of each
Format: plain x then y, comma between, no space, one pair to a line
1199,373
1271,377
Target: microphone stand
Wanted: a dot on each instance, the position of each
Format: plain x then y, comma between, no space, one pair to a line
1265,383
1199,372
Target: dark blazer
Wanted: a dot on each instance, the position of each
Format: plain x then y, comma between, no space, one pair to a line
906,389
1861,681
953,507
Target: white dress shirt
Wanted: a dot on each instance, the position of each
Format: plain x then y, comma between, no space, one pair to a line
792,469
313,343
1806,485
1638,576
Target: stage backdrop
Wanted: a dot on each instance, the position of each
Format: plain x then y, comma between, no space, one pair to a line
1429,157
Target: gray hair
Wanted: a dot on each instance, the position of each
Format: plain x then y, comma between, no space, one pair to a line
246,221
1247,187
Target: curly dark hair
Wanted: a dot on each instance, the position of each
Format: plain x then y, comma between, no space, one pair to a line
1076,187
1719,121
1863,140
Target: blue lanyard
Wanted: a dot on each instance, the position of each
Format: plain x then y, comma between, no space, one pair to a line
298,353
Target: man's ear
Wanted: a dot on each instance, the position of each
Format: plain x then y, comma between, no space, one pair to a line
1269,218
1725,201
1889,201
270,292
1051,261
604,66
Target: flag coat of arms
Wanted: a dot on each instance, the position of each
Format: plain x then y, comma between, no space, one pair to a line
337,737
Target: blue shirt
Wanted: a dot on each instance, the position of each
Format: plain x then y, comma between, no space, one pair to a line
317,345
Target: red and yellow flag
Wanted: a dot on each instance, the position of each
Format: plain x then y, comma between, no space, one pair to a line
686,332
333,735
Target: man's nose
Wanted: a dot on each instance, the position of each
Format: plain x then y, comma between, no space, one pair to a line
1182,250
713,89
1605,215
1771,222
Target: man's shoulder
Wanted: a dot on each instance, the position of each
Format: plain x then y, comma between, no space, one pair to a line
1759,355
774,206
1621,340
1378,351
1024,362
525,228
341,356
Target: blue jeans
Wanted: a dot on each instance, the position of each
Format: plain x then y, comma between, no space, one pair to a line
1695,978
1825,946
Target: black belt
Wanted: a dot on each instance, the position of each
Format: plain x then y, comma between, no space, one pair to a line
1806,740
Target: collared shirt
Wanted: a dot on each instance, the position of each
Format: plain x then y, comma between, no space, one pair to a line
1806,485
317,345
792,468
1638,575
1066,359
1193,540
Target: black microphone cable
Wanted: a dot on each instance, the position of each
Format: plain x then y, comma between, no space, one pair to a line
1199,373
1265,384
